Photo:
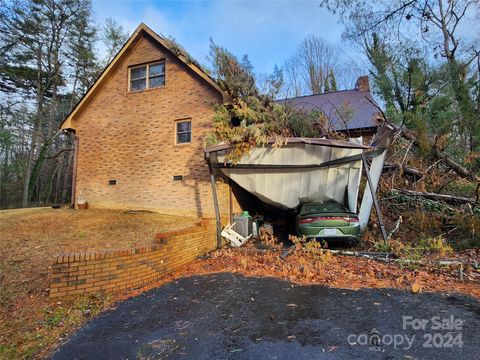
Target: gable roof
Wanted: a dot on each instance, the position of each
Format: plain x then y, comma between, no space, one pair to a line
356,108
175,51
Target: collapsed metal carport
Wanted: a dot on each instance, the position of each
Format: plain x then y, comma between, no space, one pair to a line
306,170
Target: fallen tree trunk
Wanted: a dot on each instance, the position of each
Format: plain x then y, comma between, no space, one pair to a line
437,197
409,135
439,155
459,169
406,170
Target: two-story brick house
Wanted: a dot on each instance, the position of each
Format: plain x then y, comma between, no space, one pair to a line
140,128
139,132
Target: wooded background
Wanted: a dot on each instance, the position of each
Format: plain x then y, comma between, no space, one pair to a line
423,61
48,61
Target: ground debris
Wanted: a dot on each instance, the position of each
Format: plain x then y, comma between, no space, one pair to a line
440,197
440,203
139,212
338,271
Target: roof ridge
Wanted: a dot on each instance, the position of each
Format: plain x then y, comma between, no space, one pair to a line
330,92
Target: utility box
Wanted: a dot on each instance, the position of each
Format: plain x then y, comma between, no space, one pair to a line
243,225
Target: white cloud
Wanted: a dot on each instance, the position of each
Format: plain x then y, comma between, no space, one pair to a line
268,31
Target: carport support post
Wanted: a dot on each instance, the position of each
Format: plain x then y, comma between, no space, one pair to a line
374,197
74,173
215,201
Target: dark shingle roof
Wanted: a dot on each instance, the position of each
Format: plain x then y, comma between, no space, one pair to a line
353,105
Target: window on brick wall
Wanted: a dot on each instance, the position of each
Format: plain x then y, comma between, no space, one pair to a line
183,131
148,76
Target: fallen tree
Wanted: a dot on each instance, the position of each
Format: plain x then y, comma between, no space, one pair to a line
450,199
439,155
435,151
417,174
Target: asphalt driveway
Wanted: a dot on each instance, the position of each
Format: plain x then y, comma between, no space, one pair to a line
226,315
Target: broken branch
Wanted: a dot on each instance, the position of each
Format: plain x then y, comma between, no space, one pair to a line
59,153
406,170
437,197
436,153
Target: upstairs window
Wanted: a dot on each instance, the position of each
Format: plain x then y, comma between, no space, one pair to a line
156,75
183,131
149,76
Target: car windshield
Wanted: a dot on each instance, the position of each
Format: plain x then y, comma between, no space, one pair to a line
316,208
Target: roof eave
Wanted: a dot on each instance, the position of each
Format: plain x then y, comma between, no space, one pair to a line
67,124
296,140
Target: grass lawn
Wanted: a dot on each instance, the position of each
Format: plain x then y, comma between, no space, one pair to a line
30,322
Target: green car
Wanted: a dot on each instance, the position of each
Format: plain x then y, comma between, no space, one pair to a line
328,221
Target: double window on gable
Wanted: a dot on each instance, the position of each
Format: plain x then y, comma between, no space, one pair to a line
151,76
148,76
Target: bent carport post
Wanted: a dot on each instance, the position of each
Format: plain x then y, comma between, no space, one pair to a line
215,200
374,196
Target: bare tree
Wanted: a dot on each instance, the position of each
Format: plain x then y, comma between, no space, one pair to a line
437,21
316,58
294,84
438,26
314,68
270,84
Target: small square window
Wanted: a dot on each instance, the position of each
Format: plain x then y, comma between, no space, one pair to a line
183,130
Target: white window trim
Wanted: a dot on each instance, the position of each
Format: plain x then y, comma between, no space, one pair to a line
147,75
175,133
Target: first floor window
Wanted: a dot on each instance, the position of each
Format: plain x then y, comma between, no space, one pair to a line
183,129
149,76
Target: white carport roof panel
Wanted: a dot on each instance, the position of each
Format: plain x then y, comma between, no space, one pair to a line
287,187
355,174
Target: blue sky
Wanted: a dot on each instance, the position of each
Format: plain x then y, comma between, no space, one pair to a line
268,31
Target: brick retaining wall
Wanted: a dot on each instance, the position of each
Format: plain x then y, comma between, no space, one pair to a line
81,273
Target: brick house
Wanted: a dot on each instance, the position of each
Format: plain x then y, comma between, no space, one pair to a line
139,132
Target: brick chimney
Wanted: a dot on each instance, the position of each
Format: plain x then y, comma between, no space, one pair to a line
362,83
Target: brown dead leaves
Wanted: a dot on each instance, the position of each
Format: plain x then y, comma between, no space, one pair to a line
321,267
416,287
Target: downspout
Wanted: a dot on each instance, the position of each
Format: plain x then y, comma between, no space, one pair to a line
76,141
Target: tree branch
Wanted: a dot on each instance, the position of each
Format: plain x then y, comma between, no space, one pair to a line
59,153
436,153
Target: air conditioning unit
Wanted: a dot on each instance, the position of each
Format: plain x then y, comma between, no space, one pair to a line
243,225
